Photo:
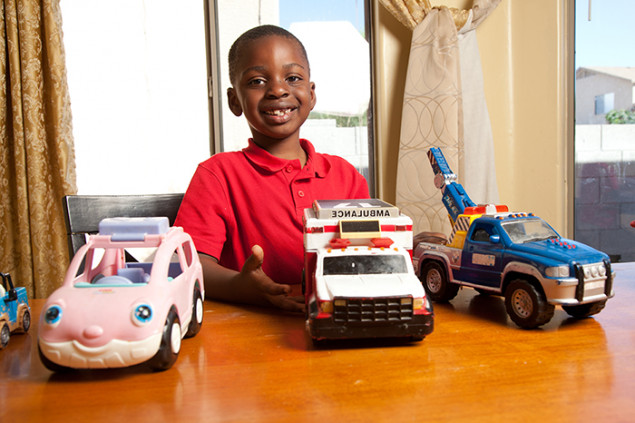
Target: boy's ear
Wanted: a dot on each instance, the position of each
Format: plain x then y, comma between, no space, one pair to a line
234,104
313,98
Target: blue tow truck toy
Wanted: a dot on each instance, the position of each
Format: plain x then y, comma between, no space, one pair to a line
516,255
15,313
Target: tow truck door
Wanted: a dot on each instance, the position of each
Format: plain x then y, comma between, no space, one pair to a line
481,261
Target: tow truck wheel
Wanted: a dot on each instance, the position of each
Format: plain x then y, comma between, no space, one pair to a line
584,310
526,306
436,284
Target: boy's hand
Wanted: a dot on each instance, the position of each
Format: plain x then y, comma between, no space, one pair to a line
277,294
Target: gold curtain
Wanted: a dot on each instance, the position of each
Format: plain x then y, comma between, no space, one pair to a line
37,159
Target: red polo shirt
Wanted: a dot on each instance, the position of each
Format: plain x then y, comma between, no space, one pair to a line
238,199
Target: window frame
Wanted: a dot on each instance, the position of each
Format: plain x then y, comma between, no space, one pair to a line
216,97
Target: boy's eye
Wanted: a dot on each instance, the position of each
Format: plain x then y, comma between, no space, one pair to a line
294,79
256,81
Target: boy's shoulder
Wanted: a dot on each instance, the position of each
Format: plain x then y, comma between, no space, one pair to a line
331,160
325,158
224,159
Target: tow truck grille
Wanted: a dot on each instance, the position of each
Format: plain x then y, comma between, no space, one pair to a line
591,282
366,310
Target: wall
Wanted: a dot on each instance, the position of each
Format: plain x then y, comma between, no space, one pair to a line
527,74
605,182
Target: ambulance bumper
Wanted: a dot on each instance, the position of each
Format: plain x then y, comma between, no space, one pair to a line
325,328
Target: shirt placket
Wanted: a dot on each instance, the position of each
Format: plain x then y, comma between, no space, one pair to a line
300,182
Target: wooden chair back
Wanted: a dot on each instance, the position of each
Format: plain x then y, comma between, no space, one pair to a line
84,212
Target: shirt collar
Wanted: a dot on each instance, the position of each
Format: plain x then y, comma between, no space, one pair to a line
317,164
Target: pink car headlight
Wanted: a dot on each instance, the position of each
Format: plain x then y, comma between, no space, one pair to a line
142,314
53,315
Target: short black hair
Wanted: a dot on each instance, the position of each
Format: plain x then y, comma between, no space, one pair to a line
257,33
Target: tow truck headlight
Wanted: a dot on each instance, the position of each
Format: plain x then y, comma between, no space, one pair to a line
557,271
594,271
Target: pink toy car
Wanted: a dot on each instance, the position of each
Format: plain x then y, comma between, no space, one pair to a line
112,312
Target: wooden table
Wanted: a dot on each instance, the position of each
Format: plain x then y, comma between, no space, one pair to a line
259,365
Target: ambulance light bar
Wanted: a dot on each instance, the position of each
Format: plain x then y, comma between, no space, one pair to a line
360,229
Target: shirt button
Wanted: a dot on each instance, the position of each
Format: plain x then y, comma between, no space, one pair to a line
289,169
300,194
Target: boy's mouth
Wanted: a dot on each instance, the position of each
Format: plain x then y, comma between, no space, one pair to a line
279,112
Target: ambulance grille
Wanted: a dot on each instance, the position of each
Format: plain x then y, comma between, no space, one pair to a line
368,310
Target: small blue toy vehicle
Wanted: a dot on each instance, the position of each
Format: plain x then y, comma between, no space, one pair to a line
15,313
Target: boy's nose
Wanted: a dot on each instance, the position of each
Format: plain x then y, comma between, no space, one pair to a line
277,89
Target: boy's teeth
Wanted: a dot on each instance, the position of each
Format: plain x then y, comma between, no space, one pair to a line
278,112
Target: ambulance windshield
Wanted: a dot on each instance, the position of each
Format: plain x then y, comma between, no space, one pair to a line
364,265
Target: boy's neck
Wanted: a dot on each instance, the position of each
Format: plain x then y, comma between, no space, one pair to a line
287,150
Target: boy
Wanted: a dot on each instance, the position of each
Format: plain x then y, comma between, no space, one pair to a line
243,204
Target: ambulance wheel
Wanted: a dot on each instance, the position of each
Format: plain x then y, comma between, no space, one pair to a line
436,283
526,306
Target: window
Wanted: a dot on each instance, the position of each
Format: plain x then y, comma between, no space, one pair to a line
138,90
141,96
604,103
521,231
605,126
364,265
335,35
481,234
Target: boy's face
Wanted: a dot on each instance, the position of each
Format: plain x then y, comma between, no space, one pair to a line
272,89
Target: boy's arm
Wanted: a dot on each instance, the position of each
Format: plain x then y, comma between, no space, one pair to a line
251,285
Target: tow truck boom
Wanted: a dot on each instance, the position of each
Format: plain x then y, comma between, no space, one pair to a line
454,198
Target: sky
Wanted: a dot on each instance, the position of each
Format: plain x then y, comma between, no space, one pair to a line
608,39
322,10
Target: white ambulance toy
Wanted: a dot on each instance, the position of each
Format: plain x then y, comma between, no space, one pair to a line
358,279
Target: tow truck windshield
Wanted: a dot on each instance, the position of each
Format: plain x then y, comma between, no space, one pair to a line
528,230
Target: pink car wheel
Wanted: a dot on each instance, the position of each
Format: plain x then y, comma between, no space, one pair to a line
170,343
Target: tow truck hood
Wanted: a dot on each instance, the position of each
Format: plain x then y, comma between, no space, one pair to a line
564,250
367,286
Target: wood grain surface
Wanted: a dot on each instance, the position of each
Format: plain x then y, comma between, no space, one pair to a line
252,364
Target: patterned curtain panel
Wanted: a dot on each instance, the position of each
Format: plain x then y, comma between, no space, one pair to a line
37,163
444,106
